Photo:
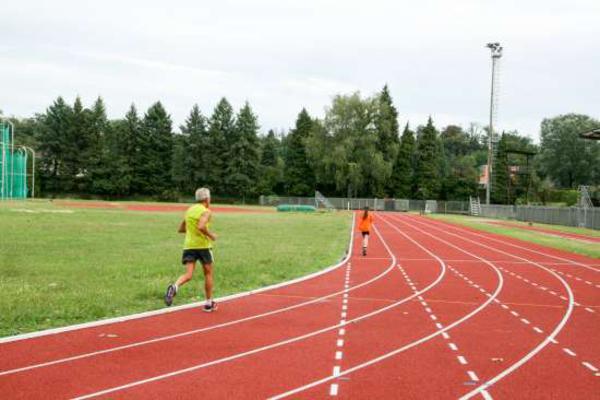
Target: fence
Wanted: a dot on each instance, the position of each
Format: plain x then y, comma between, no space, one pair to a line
568,216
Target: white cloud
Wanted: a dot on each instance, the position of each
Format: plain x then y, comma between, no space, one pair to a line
282,55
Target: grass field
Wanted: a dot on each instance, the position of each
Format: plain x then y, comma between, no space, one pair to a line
61,266
587,249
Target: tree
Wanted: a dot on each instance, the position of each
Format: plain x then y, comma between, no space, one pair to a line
386,125
54,144
299,177
93,143
501,174
156,151
243,156
566,158
131,132
192,153
403,173
343,148
271,165
220,131
111,174
427,170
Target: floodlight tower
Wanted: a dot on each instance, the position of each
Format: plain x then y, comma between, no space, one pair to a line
496,54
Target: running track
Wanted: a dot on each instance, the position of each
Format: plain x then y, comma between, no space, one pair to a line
436,311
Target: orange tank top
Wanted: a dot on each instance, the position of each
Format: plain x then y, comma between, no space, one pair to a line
365,223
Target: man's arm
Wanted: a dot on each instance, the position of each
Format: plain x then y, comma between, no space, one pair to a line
202,222
181,228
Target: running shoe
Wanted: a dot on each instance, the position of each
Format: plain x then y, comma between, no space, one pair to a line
364,252
171,292
210,307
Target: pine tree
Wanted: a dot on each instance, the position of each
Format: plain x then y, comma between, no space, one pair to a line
386,125
427,170
243,156
54,144
403,174
271,165
156,151
196,149
299,176
220,132
76,159
111,174
93,143
131,131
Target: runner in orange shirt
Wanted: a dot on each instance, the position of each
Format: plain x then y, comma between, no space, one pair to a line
364,226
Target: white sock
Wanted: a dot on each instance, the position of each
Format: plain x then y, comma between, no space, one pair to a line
209,301
176,287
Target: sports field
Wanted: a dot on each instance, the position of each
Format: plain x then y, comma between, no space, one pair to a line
65,262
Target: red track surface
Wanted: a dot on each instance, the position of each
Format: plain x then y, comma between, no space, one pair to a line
439,311
552,232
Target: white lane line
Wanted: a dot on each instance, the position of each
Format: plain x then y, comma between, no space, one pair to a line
516,314
343,322
472,376
343,315
526,322
428,310
486,395
333,389
462,360
561,324
453,346
344,307
340,343
424,304
336,370
433,317
589,310
419,341
338,355
504,306
590,366
438,325
342,332
569,352
538,330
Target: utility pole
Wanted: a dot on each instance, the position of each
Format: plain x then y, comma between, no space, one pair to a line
496,54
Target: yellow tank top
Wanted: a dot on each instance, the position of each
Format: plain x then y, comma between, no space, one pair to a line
194,239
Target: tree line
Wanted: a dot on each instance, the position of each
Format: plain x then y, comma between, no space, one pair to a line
357,149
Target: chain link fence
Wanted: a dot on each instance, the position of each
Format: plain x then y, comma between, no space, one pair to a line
568,216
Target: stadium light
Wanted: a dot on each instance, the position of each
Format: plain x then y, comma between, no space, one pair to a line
496,50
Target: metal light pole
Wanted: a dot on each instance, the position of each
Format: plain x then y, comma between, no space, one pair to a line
496,54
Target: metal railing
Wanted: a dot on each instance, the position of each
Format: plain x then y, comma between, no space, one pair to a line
568,216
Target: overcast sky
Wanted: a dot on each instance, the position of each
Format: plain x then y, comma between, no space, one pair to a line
284,55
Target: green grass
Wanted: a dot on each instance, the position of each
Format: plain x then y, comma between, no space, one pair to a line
58,269
586,249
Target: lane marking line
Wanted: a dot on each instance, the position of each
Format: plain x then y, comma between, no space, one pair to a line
569,352
590,366
453,346
333,389
472,376
338,355
462,360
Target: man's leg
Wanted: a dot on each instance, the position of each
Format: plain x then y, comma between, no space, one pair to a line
208,281
190,266
210,305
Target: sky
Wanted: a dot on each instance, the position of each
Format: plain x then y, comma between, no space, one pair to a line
282,55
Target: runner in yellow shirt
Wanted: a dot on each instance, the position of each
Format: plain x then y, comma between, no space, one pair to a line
197,247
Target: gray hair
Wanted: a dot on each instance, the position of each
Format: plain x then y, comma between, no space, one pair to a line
202,194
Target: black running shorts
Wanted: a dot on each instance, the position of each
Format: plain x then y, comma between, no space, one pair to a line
192,255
